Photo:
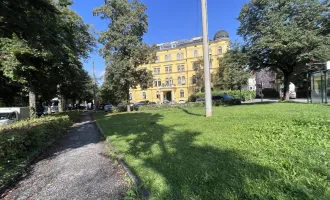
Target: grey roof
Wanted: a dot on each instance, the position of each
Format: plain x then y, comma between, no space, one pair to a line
222,34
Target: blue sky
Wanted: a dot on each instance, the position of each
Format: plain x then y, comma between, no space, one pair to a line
169,20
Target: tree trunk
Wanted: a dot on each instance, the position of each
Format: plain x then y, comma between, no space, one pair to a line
286,83
32,103
128,102
60,103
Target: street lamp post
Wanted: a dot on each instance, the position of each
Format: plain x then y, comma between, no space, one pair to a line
208,99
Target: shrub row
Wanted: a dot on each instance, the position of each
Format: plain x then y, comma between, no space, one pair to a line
22,141
244,95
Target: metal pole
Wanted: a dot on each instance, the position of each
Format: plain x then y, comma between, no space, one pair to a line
208,99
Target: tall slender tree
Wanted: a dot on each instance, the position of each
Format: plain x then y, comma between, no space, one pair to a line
124,50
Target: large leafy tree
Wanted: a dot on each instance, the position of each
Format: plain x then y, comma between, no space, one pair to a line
285,35
40,42
233,71
124,50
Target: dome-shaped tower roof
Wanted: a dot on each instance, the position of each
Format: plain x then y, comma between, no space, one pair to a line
222,34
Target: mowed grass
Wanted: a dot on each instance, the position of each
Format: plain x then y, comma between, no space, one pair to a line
270,151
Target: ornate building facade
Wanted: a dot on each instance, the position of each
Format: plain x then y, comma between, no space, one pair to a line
174,71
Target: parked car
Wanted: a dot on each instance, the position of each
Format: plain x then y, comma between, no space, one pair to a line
152,103
227,99
182,102
107,108
167,102
12,115
200,100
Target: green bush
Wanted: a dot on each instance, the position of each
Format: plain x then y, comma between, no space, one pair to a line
170,106
24,140
244,95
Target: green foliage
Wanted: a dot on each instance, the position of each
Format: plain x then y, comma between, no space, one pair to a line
244,95
23,140
232,72
123,48
284,36
170,106
42,44
273,151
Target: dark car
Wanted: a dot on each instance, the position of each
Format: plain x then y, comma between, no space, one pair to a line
152,103
201,100
227,99
141,103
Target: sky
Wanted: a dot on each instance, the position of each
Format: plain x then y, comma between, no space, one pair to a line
169,20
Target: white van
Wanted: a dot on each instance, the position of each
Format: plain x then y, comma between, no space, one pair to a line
12,115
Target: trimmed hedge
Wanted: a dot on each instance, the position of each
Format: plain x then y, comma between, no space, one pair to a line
170,106
246,95
23,141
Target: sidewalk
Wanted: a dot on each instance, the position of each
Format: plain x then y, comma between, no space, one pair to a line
76,167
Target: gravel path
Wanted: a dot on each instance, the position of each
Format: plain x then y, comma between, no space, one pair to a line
75,168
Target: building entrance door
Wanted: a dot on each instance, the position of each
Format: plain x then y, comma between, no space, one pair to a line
168,96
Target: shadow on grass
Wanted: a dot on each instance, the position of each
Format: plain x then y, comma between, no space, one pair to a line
190,171
190,113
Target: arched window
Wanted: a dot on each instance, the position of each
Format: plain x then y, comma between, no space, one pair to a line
194,79
169,57
195,53
171,81
179,80
182,56
144,95
183,80
178,56
159,82
181,93
166,57
167,81
219,50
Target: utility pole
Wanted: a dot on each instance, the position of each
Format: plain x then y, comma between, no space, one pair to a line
94,87
208,99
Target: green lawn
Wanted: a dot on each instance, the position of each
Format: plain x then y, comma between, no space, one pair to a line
270,151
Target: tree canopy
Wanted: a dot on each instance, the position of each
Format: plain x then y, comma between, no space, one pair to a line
124,50
42,44
285,35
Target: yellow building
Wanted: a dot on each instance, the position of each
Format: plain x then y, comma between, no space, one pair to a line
173,71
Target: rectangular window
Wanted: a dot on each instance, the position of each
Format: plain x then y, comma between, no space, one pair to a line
180,68
168,69
157,59
156,70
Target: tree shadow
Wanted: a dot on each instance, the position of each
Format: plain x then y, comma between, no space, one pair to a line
175,166
190,113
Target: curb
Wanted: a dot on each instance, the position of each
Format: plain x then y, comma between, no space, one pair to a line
122,163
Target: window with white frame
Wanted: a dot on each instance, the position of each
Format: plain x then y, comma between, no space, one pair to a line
169,57
168,69
179,80
157,70
180,68
182,56
183,80
178,56
155,83
181,93
167,81
159,82
219,50
171,81
144,95
196,53
158,95
166,57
